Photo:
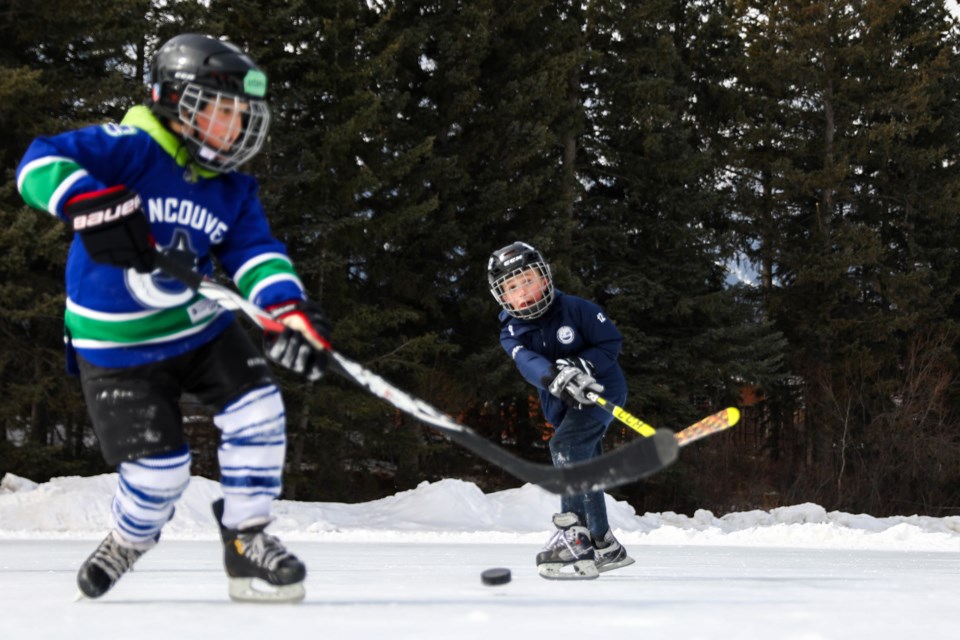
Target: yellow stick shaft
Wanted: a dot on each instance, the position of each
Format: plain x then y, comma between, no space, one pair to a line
706,426
624,416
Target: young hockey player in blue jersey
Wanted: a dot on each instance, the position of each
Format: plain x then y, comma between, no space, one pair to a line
164,179
567,348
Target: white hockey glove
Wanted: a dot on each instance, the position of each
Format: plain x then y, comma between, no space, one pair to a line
572,379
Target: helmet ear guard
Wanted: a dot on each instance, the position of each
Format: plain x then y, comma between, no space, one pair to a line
164,98
510,268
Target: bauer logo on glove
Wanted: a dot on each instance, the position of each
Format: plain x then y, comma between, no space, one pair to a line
111,213
113,228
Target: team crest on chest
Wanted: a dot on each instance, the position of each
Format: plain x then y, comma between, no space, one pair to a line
565,335
157,290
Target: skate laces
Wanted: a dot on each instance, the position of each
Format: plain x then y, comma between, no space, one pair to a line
116,558
262,549
566,537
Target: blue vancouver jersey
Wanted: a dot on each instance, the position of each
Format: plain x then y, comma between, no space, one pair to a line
571,327
120,318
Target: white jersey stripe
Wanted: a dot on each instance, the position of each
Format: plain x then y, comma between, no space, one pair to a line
266,282
256,261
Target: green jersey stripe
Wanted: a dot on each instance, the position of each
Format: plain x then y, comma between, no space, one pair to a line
44,181
279,277
90,343
159,326
249,277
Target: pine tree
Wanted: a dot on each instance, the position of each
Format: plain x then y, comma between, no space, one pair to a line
53,77
845,176
651,245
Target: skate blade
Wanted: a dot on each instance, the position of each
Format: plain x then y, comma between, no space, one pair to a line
254,590
610,566
579,570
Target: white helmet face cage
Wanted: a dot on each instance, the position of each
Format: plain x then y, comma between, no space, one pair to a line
203,111
530,288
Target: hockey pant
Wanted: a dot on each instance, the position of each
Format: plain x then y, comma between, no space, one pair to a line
251,454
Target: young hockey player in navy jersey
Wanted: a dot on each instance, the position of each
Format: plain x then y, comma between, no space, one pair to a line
164,179
567,348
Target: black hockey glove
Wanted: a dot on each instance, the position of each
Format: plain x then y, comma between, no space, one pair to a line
302,347
113,228
570,380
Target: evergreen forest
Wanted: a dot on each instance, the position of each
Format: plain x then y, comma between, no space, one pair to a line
764,196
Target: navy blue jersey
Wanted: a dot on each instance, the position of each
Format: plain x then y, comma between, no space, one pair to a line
571,327
118,317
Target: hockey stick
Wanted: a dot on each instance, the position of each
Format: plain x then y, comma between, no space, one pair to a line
713,423
621,466
622,415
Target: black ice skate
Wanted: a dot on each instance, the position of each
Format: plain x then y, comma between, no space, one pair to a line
569,554
610,554
259,567
113,558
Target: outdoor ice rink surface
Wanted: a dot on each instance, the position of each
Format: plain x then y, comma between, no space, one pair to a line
433,591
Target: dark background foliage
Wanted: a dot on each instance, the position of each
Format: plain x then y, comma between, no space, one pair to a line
645,148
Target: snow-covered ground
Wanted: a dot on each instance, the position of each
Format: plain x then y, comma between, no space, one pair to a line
408,566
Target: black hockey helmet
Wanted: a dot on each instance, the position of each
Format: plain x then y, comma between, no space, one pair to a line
520,259
191,71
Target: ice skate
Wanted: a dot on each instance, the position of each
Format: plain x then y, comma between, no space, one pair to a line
259,567
569,554
610,554
113,558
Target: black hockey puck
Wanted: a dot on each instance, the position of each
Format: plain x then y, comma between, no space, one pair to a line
493,577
